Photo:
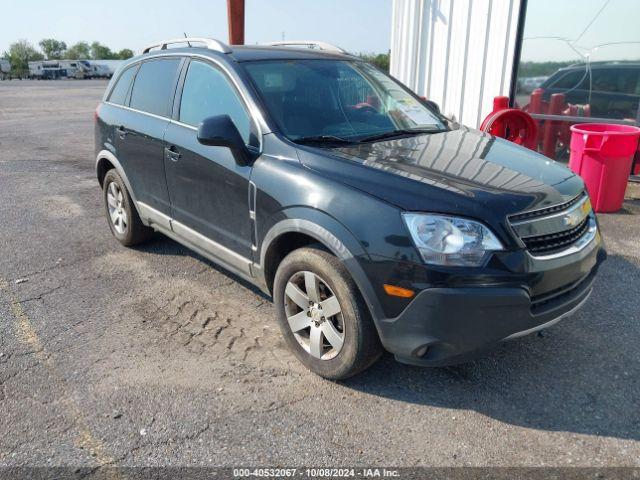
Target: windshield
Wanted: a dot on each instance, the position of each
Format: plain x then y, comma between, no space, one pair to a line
334,99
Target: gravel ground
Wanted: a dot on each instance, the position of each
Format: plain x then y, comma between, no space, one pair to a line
154,356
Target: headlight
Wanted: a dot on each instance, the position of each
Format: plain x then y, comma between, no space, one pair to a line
444,240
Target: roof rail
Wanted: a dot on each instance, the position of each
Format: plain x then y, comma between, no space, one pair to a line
209,43
308,44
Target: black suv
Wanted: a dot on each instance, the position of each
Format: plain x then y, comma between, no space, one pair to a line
612,90
372,220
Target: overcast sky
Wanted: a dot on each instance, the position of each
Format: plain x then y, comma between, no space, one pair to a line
356,25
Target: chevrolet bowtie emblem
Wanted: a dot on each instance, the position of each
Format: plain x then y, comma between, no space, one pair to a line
573,219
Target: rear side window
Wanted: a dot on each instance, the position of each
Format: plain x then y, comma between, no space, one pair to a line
615,80
206,93
120,90
577,79
154,86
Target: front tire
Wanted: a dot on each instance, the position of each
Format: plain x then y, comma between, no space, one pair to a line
322,315
122,216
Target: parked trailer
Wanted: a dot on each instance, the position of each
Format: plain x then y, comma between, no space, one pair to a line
44,69
5,69
53,69
76,69
99,70
105,68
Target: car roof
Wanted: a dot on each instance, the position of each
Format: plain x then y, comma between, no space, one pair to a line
249,53
600,66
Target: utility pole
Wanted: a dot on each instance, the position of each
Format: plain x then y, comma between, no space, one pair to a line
235,13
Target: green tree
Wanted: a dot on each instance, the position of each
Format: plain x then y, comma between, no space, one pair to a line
19,55
52,48
380,60
125,54
80,50
101,52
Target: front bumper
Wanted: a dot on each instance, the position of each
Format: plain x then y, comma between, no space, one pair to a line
444,326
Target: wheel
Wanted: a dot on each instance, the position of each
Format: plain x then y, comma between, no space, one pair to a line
123,218
322,315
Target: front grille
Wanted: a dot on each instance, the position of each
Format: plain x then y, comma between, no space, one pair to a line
551,230
555,242
547,210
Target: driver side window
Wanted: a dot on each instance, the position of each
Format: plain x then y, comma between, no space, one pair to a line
207,92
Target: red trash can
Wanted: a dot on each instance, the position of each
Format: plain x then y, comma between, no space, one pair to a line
602,154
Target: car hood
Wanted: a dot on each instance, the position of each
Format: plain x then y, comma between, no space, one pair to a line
461,171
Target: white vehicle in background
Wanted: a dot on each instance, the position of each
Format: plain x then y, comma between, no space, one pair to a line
78,69
45,69
529,84
99,70
5,69
54,69
107,67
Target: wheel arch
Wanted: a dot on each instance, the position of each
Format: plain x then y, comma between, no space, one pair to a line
105,161
292,233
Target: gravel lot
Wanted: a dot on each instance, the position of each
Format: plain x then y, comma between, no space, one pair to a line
154,356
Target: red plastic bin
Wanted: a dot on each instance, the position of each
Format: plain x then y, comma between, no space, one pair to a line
602,154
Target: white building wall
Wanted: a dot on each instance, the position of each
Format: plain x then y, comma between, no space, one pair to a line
458,53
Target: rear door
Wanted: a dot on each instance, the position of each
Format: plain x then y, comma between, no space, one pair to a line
614,93
139,134
208,189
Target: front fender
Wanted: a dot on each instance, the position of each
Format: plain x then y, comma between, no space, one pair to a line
335,237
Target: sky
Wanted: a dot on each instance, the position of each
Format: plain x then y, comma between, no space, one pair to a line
356,25
617,22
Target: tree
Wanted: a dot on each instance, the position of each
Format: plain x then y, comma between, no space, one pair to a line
381,60
101,52
125,54
19,55
80,50
52,48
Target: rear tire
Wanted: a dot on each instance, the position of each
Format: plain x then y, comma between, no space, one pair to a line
322,315
123,218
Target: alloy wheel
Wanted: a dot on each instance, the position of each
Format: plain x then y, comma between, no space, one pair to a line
117,212
314,315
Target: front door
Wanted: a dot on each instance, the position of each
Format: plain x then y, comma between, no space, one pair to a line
208,189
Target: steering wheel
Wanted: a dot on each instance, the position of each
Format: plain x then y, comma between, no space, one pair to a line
364,107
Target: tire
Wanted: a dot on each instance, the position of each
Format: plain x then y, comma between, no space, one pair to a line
333,345
123,218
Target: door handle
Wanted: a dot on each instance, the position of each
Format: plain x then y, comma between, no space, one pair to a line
172,153
122,132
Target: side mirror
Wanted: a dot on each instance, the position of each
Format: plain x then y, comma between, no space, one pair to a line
220,131
431,104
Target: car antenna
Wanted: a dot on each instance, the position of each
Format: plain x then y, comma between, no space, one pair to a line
186,36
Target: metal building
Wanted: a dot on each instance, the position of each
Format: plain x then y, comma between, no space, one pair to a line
458,53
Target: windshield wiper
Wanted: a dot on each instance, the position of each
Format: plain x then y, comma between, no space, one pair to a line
322,139
397,133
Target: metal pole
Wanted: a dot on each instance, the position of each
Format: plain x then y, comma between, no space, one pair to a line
235,12
517,51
